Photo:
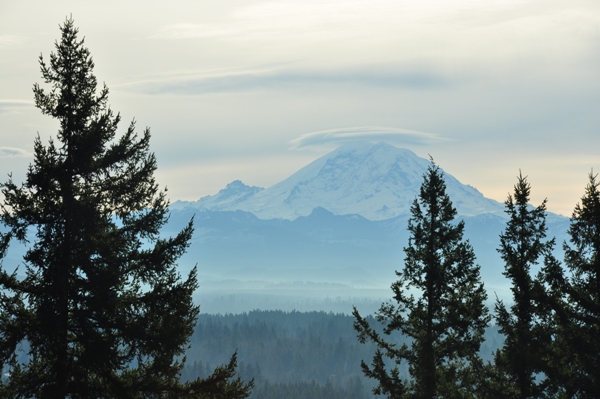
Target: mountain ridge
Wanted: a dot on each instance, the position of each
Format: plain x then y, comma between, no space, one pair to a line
376,181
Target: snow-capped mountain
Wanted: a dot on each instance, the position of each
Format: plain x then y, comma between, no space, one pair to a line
376,181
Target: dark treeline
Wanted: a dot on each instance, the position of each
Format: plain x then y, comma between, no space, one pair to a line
289,354
292,354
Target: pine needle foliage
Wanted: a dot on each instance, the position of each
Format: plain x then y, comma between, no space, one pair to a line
575,361
520,363
438,304
97,309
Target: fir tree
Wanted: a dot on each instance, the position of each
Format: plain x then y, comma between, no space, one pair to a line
522,359
100,310
576,349
446,322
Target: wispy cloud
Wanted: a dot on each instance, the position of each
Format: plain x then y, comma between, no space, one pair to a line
190,31
274,78
291,20
460,29
6,104
327,138
422,44
14,152
15,103
11,40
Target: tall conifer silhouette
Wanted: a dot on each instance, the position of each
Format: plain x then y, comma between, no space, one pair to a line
98,308
438,304
523,245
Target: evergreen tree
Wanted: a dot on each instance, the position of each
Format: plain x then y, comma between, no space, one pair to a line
523,357
446,323
576,350
100,311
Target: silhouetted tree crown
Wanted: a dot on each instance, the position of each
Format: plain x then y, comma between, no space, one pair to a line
575,354
438,304
98,308
523,245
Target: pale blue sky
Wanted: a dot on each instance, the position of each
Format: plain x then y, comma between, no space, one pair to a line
254,90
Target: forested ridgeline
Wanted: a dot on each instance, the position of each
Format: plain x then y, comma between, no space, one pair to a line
292,354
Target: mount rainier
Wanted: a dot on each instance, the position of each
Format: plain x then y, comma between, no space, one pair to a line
376,181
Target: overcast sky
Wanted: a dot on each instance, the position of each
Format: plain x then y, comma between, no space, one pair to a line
254,90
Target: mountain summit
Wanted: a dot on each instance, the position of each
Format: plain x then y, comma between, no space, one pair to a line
376,181
229,198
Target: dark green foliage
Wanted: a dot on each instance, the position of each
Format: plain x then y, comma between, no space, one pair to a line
439,304
284,347
286,353
575,360
523,357
100,310
322,347
309,390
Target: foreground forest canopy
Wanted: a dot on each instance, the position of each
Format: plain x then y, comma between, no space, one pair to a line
307,354
102,310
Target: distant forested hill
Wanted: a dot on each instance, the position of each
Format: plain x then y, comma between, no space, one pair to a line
291,354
